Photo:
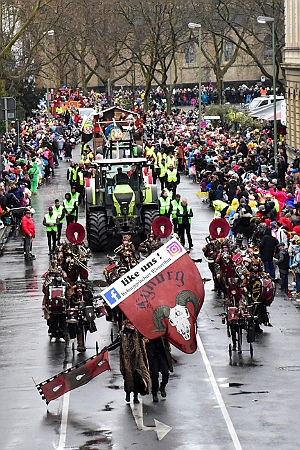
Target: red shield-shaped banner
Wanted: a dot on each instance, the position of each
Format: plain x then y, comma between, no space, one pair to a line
162,296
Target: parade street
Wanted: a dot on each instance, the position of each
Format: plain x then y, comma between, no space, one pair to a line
212,403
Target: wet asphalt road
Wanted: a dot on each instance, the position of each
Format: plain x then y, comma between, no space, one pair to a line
211,403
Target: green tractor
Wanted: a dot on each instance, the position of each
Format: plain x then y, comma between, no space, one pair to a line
119,201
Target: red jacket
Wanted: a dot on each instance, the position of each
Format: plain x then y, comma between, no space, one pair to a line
297,229
286,222
27,225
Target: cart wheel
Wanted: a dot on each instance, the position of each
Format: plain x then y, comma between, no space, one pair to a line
240,340
251,350
230,351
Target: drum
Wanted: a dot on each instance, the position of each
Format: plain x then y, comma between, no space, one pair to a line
268,291
232,314
89,313
57,305
72,315
101,311
256,290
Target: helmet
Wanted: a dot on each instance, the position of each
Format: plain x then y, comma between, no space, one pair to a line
225,243
80,285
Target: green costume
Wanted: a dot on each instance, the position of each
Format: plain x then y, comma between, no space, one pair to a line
34,177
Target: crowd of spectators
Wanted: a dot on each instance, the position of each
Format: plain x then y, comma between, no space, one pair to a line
133,98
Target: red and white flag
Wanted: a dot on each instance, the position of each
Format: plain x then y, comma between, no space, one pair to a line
74,377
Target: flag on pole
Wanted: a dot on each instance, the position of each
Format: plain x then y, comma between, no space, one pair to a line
162,296
88,128
74,377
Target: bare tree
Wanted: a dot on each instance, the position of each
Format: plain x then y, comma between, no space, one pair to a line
20,38
156,32
93,43
235,22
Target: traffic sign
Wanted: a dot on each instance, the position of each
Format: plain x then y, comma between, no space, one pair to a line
7,108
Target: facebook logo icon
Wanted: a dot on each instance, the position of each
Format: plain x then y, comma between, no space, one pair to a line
112,296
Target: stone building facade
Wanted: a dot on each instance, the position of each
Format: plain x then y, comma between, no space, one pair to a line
291,66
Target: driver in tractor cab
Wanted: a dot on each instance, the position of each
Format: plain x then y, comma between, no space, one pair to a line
121,177
133,178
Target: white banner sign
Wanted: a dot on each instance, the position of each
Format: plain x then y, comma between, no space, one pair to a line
141,274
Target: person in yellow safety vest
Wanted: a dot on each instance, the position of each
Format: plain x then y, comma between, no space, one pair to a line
220,208
149,150
150,155
170,193
80,182
50,222
75,197
91,155
158,157
58,111
171,159
69,206
59,211
85,148
176,204
71,172
162,170
172,179
164,204
74,175
84,158
185,214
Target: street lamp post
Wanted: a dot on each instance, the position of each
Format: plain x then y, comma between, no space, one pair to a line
47,33
263,19
192,26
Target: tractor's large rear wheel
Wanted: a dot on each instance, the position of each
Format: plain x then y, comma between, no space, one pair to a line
97,231
149,216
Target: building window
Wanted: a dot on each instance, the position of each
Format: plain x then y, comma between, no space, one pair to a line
228,50
268,51
189,53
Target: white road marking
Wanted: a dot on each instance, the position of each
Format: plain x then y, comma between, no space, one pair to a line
64,419
161,428
218,395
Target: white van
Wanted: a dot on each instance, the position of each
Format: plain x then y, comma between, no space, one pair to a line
263,101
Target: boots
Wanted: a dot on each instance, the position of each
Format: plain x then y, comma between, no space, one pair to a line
80,344
155,398
258,329
163,391
29,256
